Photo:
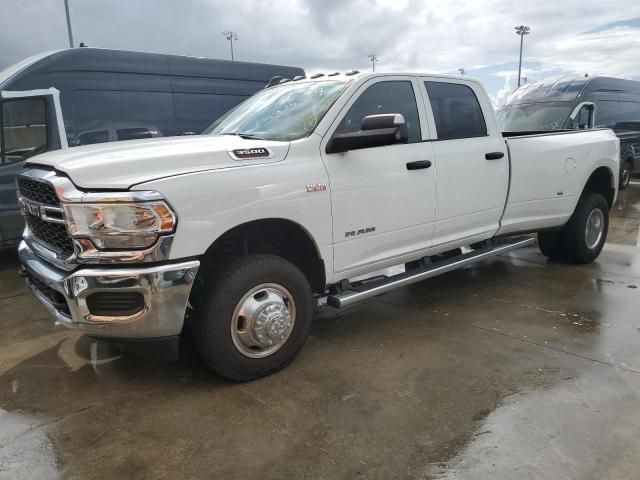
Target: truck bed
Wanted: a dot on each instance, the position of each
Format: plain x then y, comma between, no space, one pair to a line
549,171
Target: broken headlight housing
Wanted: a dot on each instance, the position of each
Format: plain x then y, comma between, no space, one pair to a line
119,226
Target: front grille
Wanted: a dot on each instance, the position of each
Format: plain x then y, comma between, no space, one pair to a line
54,235
55,297
39,192
51,234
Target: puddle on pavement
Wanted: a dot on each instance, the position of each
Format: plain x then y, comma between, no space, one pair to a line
542,433
624,222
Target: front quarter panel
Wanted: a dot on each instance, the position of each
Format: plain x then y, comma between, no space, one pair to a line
210,203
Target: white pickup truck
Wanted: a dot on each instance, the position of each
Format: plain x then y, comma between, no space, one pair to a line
289,197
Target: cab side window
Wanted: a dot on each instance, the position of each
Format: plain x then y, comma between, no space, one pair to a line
24,129
394,96
456,111
606,113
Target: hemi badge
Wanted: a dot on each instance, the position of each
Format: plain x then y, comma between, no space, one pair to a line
244,153
316,187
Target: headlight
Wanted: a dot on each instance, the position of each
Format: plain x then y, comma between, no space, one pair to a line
119,225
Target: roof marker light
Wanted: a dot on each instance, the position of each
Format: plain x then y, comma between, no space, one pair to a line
274,81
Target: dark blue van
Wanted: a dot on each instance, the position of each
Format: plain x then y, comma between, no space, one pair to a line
576,103
88,95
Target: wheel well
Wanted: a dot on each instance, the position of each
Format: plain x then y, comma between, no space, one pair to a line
280,237
601,181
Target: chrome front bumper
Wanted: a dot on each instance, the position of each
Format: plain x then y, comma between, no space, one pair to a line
165,290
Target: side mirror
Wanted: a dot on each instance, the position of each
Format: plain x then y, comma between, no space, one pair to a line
590,107
375,131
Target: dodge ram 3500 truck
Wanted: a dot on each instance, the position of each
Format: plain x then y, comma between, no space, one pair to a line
291,196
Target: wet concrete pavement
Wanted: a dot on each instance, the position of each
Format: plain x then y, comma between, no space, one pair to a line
516,368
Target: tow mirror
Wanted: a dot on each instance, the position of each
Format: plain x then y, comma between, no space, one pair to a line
375,131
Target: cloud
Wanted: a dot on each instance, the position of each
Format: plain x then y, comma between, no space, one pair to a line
330,35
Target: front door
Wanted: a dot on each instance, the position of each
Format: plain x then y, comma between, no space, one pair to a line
383,203
28,126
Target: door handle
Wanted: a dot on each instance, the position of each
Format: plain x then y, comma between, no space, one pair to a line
418,164
494,155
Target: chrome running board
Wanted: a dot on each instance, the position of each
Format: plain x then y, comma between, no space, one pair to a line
358,292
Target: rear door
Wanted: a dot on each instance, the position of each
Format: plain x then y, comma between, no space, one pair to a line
472,166
28,126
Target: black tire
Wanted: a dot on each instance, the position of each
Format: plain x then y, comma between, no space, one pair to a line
625,175
214,318
550,244
574,232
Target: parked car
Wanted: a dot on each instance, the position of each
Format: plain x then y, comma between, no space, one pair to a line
580,102
287,197
110,95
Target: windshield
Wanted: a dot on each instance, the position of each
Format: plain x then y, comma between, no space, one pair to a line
533,116
286,112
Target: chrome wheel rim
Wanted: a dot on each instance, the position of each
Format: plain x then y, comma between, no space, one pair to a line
626,176
594,228
263,320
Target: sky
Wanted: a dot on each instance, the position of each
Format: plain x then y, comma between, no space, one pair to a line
567,37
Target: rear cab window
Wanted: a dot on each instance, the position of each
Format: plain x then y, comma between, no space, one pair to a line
456,111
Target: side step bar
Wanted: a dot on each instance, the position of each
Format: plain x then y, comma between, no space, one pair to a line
357,293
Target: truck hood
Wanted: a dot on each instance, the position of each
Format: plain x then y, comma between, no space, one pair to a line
120,165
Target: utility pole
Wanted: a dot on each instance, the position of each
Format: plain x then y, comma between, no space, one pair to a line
374,58
231,36
521,30
462,71
66,7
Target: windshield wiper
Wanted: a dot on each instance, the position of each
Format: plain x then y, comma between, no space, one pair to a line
247,136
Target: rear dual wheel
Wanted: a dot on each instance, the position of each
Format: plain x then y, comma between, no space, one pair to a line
581,240
625,175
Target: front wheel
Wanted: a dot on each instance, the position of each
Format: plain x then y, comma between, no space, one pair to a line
255,317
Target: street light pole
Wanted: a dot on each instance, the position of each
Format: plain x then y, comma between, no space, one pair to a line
231,36
374,58
66,7
521,30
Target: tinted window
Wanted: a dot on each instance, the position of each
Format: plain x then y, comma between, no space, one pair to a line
629,112
97,110
195,112
384,97
24,129
607,113
456,111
